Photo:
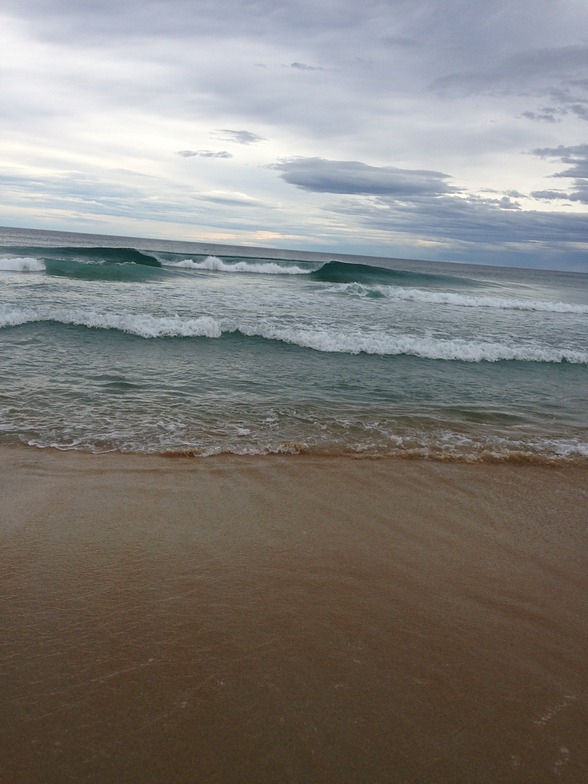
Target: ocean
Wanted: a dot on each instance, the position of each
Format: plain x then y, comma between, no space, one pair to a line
112,344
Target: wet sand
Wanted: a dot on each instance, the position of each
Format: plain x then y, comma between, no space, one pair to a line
307,620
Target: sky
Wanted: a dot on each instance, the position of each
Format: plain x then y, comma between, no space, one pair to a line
429,129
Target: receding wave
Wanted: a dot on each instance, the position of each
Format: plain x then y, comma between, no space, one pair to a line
441,446
345,272
214,264
459,300
150,327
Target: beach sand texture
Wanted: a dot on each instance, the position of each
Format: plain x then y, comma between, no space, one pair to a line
291,619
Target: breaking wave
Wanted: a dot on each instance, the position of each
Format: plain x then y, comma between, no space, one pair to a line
21,264
345,272
383,344
214,264
143,325
128,264
459,300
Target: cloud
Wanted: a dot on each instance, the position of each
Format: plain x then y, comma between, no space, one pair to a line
229,199
304,67
566,104
239,137
545,115
393,203
549,195
577,156
468,224
522,71
353,177
399,40
204,154
551,72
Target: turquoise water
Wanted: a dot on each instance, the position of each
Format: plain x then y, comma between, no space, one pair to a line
151,346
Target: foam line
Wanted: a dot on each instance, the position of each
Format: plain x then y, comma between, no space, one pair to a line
148,326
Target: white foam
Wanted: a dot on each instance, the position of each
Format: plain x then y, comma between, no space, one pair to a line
460,300
214,264
21,264
12,316
144,325
427,347
423,347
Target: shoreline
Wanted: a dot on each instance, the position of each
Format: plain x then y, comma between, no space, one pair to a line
296,451
292,619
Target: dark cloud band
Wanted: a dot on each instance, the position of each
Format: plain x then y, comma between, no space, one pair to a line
353,177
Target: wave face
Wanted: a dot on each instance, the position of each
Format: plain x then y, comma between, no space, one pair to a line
100,255
344,272
108,264
174,349
108,271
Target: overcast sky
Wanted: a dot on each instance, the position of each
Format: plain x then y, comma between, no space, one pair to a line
435,129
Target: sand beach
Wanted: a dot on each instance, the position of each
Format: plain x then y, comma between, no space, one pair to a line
291,619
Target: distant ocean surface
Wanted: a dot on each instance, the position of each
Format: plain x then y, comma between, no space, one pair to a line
137,345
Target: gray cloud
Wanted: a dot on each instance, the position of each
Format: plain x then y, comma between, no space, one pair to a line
304,67
354,177
204,154
183,18
240,137
551,195
229,200
522,71
577,156
546,114
580,195
420,204
399,40
550,72
469,224
566,104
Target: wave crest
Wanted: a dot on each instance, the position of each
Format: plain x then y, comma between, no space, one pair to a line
149,326
21,264
141,325
347,272
101,271
215,264
459,300
422,347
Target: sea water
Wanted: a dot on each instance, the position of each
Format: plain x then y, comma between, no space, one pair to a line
138,345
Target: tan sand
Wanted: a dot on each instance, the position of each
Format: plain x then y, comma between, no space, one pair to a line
321,621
